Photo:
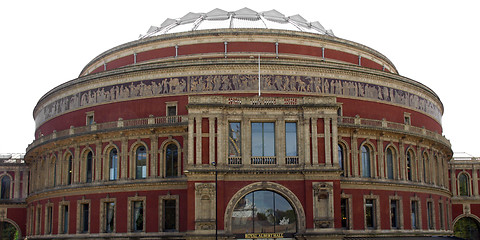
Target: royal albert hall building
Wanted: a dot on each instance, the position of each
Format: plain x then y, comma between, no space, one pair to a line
239,125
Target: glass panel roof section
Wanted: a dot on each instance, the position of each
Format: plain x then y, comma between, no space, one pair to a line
242,18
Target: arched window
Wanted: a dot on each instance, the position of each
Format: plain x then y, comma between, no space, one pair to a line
341,158
171,160
366,170
409,165
89,167
5,185
425,160
463,185
141,163
390,164
113,164
263,212
69,170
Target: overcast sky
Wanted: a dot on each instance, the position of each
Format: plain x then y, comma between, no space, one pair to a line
46,43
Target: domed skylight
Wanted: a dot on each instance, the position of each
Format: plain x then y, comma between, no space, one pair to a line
243,18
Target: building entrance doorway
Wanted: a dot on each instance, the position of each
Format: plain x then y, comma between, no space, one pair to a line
467,228
264,214
8,231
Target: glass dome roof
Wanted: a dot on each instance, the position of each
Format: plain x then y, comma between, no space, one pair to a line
243,18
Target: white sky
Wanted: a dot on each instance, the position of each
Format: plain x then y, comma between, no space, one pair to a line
46,43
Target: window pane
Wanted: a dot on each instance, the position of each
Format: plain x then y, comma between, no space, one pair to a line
109,216
365,162
291,139
170,218
5,193
89,167
85,214
269,139
394,214
414,215
463,186
389,163
409,166
370,213
113,164
257,139
65,219
69,175
235,140
171,158
344,212
141,162
138,216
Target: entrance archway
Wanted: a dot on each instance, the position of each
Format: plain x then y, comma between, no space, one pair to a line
467,228
9,231
264,208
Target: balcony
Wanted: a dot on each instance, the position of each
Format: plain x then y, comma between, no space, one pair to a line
110,126
383,125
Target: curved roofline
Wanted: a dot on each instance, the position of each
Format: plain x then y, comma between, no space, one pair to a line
236,32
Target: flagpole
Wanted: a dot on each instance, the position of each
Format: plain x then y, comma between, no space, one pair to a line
259,75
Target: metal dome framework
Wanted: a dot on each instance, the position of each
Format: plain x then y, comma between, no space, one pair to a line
243,18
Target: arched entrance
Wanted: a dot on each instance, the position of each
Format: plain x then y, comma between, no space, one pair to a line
8,231
467,228
264,210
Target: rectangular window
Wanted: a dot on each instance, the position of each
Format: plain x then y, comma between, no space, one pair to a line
109,217
441,216
171,110
37,219
370,213
90,118
234,143
291,150
430,216
263,143
414,215
394,214
137,216
169,217
49,220
84,217
344,212
64,219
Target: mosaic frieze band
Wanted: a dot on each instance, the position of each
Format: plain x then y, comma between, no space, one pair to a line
216,83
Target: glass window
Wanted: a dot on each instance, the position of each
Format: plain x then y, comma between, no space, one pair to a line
409,166
463,185
55,173
234,139
69,170
425,160
430,215
141,163
263,139
389,163
370,213
344,212
85,208
64,219
171,110
89,167
137,216
341,158
170,212
49,219
414,215
113,164
263,211
171,160
5,191
291,139
441,216
366,172
394,214
109,217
